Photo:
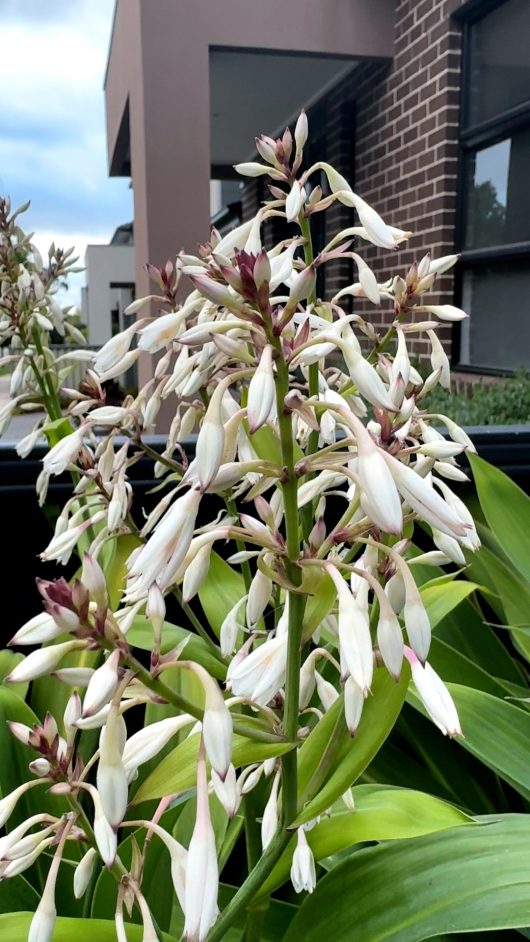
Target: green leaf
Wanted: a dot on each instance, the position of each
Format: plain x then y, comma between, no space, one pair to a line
8,661
513,592
178,770
381,814
455,668
465,630
319,605
441,599
220,591
140,635
461,880
507,511
330,760
496,732
17,896
15,926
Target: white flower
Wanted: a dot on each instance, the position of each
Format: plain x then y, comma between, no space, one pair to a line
270,820
41,662
261,392
113,351
102,685
161,557
434,695
64,452
354,634
202,873
111,777
261,674
83,872
303,872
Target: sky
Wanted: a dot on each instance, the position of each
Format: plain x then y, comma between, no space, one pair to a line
52,123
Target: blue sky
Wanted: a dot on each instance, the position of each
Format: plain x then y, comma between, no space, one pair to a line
52,122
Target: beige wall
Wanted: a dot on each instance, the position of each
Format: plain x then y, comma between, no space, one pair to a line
158,64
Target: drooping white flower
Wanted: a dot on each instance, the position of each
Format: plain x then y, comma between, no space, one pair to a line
161,557
261,391
64,452
41,662
354,634
434,695
261,674
102,685
202,873
303,871
270,820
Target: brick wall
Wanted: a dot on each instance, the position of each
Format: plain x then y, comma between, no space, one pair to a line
407,139
392,130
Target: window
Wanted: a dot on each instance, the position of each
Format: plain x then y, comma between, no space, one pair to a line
495,186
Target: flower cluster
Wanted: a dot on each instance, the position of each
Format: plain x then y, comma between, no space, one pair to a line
29,315
315,435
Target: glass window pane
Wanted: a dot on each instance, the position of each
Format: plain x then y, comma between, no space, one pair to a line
497,332
500,61
498,194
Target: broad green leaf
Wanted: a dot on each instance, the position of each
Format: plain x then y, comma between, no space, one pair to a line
381,814
330,760
220,591
178,771
460,776
14,927
507,511
441,598
496,732
460,880
17,896
513,592
115,570
465,630
455,668
140,635
319,605
8,661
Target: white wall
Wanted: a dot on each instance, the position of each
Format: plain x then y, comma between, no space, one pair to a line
105,264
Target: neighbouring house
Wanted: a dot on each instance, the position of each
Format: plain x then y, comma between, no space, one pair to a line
110,285
423,104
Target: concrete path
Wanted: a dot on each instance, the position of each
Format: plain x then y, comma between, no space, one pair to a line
21,424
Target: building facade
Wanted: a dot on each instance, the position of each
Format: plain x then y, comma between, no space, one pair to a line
424,105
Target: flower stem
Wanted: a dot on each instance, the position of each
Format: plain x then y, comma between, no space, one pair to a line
251,886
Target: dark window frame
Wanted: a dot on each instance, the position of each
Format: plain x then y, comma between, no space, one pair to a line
471,138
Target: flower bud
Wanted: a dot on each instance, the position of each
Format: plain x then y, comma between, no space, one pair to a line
41,662
102,685
83,872
353,705
258,597
261,392
270,820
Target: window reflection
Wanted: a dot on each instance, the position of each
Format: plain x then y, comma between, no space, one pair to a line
500,61
497,333
498,210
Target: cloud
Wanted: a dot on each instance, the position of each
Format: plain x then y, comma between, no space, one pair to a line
52,132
